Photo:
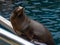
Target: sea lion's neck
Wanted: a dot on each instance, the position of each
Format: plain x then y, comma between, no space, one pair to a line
25,23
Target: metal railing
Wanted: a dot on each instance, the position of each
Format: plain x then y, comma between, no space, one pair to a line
11,36
14,37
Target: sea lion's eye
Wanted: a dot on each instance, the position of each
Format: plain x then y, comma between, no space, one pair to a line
20,16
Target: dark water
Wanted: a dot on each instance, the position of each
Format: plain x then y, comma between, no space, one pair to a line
46,12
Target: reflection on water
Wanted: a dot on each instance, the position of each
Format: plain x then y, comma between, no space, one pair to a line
44,11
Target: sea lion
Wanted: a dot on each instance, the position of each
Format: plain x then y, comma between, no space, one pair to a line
29,29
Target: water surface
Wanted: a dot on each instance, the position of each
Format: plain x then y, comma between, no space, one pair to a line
46,12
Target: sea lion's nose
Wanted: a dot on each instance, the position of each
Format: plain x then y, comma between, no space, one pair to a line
19,8
20,11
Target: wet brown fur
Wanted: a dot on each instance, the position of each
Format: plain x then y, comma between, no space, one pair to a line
28,28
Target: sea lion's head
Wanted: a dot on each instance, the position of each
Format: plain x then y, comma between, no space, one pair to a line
18,12
17,18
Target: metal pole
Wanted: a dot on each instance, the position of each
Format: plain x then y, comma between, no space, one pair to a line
8,25
14,37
